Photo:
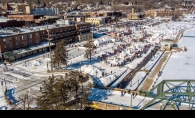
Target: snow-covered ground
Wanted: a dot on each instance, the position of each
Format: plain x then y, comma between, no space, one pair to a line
37,69
135,83
3,103
114,97
155,58
121,78
127,100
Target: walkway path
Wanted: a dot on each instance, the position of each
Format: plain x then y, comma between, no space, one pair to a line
149,80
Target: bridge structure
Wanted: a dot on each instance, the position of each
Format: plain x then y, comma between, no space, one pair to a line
172,94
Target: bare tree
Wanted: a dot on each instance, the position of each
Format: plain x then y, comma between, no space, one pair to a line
25,103
176,15
90,48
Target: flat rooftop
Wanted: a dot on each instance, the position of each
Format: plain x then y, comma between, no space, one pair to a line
28,49
3,19
6,32
12,31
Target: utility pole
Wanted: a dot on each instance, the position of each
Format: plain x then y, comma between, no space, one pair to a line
82,98
131,100
131,84
50,48
27,100
5,86
76,93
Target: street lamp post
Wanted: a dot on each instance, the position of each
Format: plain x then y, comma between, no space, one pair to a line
96,73
80,66
71,65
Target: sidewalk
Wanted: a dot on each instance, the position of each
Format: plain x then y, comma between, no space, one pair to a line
30,58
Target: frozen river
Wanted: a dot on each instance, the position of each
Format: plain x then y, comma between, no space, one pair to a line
181,65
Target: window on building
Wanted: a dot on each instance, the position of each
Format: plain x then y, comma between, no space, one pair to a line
4,40
5,47
10,40
31,36
16,45
37,35
22,37
10,46
16,39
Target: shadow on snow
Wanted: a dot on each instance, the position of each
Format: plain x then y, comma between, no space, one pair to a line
10,96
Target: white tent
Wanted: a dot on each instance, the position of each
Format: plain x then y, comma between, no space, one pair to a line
101,41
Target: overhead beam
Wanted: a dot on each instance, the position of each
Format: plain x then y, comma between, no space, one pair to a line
175,99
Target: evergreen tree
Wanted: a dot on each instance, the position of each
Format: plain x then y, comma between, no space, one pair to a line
101,2
60,55
48,99
44,5
38,2
58,92
90,48
81,91
126,3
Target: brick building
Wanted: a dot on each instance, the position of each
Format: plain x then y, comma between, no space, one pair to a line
43,21
11,23
76,18
58,33
103,13
14,38
34,20
163,12
83,31
95,20
6,7
16,43
25,17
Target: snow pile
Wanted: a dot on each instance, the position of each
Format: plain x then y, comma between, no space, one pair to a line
97,74
107,80
91,70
